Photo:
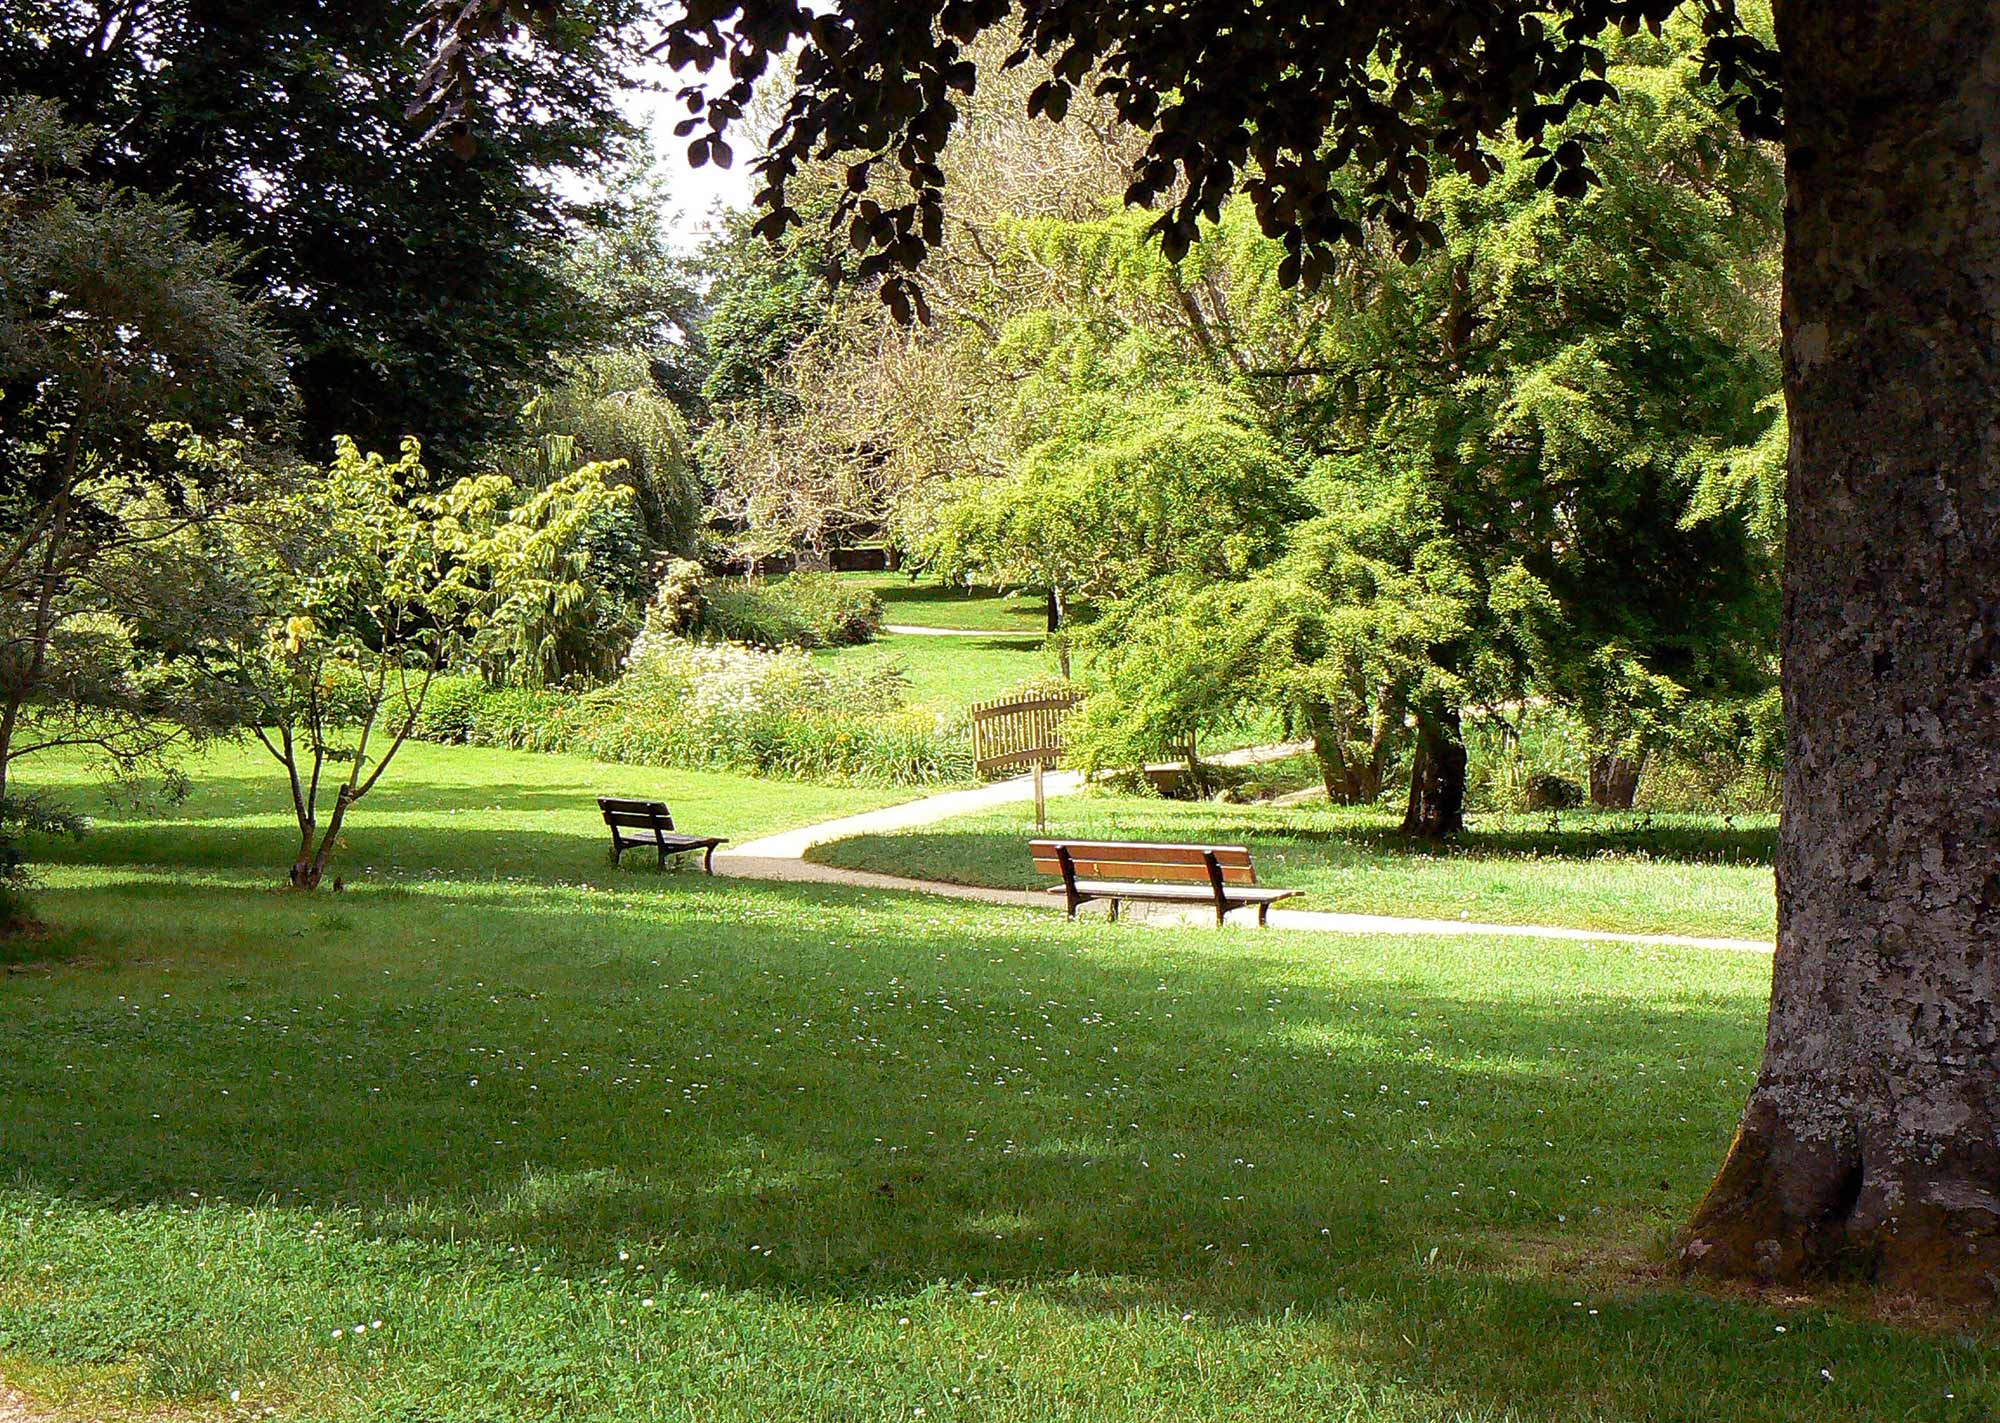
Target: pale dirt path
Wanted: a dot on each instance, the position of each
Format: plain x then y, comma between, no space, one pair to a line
14,1408
782,857
914,814
911,630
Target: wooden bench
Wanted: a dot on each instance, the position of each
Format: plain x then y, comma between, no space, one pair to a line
657,821
1220,875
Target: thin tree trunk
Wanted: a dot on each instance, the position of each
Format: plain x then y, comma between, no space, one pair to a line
1058,618
1872,1137
1330,751
1614,779
1437,777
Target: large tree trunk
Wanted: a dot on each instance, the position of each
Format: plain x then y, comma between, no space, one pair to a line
1437,778
1614,780
1872,1137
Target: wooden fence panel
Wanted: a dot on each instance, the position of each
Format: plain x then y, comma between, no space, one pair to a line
1026,731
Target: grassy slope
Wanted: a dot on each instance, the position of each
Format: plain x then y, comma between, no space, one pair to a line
667,1147
448,811
1679,874
947,673
928,603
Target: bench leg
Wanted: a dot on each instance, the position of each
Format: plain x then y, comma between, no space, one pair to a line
1220,910
708,860
1114,911
1263,916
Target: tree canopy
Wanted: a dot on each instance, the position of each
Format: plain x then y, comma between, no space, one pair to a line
417,289
1278,108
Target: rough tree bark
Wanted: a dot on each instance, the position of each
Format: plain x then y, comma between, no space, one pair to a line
1872,1138
1614,780
1437,777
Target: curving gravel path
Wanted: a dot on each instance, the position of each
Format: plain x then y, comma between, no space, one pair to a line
782,857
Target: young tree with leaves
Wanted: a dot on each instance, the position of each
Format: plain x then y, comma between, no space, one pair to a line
361,589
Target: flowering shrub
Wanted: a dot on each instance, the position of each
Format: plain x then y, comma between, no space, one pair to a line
720,706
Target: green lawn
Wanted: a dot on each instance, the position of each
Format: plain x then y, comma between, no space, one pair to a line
570,1145
1660,874
948,673
440,811
926,602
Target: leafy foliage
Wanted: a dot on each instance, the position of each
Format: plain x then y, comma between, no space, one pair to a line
124,346
361,590
608,408
418,288
1279,108
719,706
807,609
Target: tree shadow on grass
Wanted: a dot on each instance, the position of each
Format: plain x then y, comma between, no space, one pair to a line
913,598
807,1092
710,1065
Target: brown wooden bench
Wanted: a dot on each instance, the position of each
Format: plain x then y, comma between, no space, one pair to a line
657,821
1220,875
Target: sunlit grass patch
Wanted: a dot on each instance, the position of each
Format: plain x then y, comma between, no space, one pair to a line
1685,874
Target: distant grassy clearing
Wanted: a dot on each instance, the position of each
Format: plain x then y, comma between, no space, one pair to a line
1661,874
926,602
451,810
947,673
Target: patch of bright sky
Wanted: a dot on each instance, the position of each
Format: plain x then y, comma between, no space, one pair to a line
698,194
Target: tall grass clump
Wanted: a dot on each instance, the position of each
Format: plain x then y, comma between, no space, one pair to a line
801,610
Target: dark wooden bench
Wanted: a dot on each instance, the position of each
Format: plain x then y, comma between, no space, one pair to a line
1219,875
653,817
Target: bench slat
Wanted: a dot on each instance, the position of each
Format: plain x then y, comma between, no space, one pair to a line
1115,889
1196,873
1132,852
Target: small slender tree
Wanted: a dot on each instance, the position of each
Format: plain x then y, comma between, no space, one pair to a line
362,591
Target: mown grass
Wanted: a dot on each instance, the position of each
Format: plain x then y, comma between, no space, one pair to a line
926,602
948,674
448,1148
451,811
1686,874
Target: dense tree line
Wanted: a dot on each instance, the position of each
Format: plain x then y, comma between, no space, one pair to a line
1528,462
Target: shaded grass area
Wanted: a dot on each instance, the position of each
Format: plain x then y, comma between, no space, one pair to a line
926,602
947,674
664,1147
1688,874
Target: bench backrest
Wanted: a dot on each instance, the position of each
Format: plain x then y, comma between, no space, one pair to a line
639,814
1126,860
